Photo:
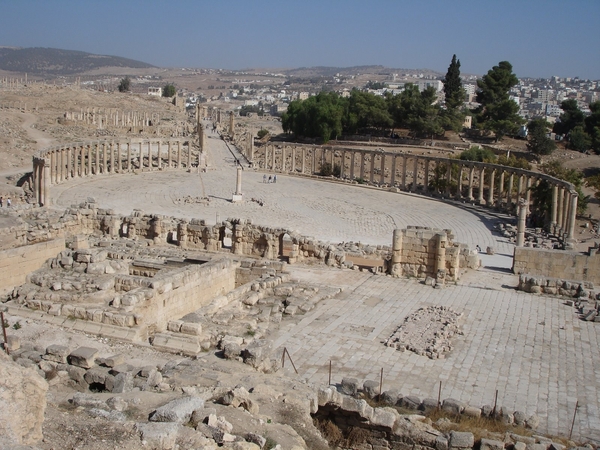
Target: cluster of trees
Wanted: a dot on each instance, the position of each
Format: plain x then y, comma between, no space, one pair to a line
125,86
327,115
582,133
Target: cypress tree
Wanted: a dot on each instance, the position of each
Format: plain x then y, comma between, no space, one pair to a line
453,89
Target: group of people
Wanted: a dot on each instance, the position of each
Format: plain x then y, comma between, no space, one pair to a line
8,202
271,179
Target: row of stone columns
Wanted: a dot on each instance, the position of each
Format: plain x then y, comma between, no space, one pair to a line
493,185
55,165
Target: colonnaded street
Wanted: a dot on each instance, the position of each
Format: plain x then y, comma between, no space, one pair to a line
534,350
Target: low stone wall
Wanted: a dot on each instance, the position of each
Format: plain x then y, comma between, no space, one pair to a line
387,428
567,265
538,284
421,252
17,263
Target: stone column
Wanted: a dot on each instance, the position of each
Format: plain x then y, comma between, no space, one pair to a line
303,160
471,181
179,154
169,154
448,178
158,150
372,169
426,180
104,158
459,182
404,160
119,158
251,156
61,164
382,169
572,215
273,158
362,165
554,208
481,184
343,165
393,175
440,252
500,190
396,266
415,174
490,201
112,157
560,207
352,158
238,181
528,190
46,182
511,181
520,187
522,215
89,159
283,161
150,163
231,124
566,210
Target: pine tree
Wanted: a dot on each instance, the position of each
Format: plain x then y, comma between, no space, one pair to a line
453,88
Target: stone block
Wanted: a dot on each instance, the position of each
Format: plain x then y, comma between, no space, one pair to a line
83,357
158,435
489,444
57,353
13,343
472,411
428,404
410,402
390,397
193,329
179,410
114,360
349,386
371,388
123,382
384,417
441,443
460,439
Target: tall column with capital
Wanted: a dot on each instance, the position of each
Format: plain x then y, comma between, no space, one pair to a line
572,215
471,181
522,217
381,169
481,184
393,176
415,174
553,211
404,160
490,201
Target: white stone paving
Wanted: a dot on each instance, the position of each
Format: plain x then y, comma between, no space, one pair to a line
534,350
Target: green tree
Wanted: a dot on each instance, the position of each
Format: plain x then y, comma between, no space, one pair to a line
477,153
366,110
592,126
125,84
538,142
571,117
455,94
579,139
319,116
497,112
416,110
169,90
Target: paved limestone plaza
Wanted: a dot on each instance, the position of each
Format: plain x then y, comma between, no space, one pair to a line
534,350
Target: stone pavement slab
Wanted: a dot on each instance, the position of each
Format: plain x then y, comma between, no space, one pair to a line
534,350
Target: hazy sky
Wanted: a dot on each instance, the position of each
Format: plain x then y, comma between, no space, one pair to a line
540,38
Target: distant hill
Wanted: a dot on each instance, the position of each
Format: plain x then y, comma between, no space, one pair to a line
331,71
54,61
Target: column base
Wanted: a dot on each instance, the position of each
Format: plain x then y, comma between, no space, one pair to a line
237,198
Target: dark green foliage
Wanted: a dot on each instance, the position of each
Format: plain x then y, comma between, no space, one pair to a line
571,117
416,111
169,90
375,85
455,94
538,142
327,170
125,84
366,111
497,112
592,126
579,139
262,133
319,116
478,154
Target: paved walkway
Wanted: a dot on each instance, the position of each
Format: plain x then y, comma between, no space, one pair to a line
327,211
534,350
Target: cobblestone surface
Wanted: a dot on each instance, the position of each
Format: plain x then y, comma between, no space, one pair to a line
533,349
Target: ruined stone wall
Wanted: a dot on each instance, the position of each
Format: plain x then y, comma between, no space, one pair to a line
422,252
187,290
558,263
17,263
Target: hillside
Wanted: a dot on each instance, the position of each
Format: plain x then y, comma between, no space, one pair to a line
54,61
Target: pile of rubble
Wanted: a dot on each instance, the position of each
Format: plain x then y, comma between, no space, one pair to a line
427,332
534,237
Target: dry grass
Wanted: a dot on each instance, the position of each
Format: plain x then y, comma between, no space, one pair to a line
481,427
355,436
